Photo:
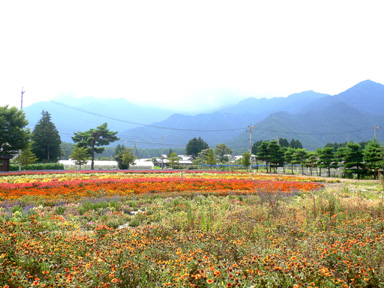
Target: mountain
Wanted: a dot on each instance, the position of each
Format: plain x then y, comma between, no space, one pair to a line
266,106
218,127
72,115
337,122
366,96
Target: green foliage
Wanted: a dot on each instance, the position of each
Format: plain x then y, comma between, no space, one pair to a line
38,166
194,146
211,158
300,156
353,160
246,160
27,157
80,155
222,150
128,158
94,139
46,139
373,158
13,136
326,159
295,144
276,155
173,160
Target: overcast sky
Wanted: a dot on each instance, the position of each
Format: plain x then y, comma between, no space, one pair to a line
187,55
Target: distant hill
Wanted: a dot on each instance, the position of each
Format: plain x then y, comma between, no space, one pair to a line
72,115
337,122
313,118
233,119
366,96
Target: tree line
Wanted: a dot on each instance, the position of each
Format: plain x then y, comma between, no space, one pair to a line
43,145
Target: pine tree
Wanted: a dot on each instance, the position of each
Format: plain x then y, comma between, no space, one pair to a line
353,160
46,139
326,159
300,156
275,154
373,158
93,139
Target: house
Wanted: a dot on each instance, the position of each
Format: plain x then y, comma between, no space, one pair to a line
4,162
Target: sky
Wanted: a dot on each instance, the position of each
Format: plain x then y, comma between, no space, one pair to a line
186,55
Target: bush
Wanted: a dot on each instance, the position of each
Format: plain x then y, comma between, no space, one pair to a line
39,166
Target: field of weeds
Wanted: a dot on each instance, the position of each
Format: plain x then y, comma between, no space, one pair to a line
189,230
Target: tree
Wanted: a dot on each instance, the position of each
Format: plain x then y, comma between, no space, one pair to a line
255,147
353,160
13,136
128,157
275,154
80,155
326,159
93,139
312,160
173,160
27,157
283,142
211,158
46,139
288,155
194,146
263,153
246,160
118,156
300,156
373,158
295,144
222,150
201,157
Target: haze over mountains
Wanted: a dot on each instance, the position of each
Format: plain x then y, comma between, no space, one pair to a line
313,118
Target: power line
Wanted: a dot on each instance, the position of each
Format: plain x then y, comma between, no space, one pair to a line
141,124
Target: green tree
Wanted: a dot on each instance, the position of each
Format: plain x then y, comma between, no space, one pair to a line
246,160
128,157
353,160
283,142
118,156
255,147
263,153
288,155
80,155
373,158
300,156
194,146
93,139
222,150
211,158
27,157
295,144
13,136
201,157
276,156
46,139
173,160
312,160
326,159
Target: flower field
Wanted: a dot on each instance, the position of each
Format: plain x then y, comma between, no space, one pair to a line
195,229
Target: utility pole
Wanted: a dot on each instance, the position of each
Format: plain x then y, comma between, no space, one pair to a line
135,148
376,128
21,109
161,157
278,140
250,128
